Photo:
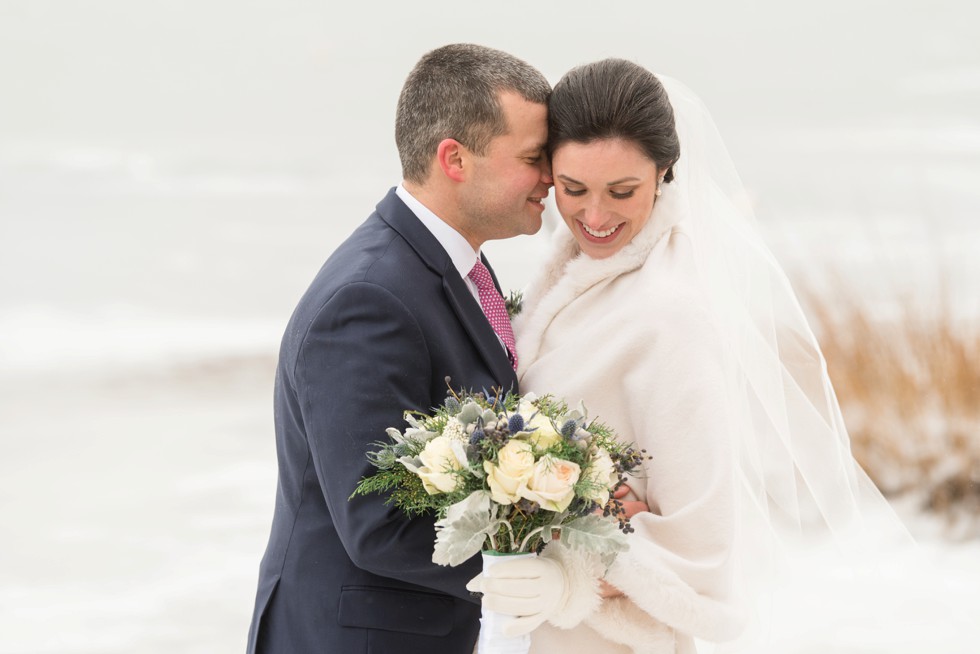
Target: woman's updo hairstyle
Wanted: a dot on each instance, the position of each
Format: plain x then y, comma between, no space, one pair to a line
614,98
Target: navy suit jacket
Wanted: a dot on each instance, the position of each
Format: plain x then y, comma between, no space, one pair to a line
386,319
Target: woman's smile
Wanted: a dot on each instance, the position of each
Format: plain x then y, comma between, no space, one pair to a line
600,236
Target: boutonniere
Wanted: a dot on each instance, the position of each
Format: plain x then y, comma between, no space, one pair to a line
514,303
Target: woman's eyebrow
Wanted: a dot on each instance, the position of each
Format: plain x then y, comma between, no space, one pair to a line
566,178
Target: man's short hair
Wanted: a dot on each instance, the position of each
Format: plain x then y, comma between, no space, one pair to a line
453,93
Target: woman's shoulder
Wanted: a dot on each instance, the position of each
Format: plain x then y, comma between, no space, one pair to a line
670,296
671,274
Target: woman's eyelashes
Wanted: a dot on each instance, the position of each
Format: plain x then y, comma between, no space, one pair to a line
618,195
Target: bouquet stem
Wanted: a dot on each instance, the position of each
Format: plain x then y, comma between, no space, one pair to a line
492,639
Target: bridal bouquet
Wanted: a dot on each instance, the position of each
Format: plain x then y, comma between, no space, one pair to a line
505,474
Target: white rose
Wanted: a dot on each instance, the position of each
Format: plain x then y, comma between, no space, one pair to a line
544,434
602,473
515,462
439,466
552,483
526,406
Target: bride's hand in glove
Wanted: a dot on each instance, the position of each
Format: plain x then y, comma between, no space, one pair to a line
531,589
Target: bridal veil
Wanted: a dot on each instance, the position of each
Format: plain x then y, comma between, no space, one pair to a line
796,473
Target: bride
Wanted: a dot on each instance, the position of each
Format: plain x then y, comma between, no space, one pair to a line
661,308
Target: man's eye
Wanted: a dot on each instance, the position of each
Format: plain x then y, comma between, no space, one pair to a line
534,160
577,193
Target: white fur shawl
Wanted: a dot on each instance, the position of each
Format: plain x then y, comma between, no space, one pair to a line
630,336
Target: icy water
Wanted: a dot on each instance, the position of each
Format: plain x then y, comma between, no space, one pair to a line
173,174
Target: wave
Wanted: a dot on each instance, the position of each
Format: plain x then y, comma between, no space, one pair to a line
38,340
99,169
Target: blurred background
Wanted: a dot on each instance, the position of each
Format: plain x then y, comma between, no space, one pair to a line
173,174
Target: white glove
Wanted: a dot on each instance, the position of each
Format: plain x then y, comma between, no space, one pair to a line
533,589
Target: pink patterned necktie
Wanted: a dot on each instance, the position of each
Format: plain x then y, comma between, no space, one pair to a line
494,308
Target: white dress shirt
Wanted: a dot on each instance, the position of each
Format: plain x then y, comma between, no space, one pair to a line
463,255
458,248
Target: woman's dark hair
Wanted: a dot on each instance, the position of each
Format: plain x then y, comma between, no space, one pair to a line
614,98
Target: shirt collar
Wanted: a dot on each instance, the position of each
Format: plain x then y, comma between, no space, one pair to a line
463,256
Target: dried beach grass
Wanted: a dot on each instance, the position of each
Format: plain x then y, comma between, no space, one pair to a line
909,390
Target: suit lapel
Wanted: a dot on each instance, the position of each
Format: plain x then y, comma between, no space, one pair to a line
394,212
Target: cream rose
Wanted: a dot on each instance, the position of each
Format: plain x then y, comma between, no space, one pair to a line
439,466
544,434
551,483
602,473
526,406
515,462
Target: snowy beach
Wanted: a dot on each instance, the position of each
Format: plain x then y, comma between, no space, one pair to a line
136,507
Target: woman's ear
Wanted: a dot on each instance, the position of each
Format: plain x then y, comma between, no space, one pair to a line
450,154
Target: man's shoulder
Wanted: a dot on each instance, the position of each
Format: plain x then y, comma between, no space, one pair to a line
375,254
352,260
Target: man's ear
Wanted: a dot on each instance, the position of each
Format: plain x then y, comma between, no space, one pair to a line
450,155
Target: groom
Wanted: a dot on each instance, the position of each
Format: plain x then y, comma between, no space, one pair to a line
402,304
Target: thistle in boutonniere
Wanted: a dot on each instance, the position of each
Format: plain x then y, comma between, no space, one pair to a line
514,303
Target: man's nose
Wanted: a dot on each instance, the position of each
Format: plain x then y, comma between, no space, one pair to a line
546,173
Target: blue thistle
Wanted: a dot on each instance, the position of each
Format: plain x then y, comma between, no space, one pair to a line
516,423
568,429
491,398
452,405
477,436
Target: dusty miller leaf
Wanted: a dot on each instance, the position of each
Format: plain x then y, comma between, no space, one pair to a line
556,523
461,533
469,413
593,533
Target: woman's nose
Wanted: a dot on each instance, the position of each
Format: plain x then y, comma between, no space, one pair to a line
594,215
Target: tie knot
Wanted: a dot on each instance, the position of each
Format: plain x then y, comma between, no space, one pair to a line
481,276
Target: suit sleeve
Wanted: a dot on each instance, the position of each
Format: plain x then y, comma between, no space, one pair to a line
363,362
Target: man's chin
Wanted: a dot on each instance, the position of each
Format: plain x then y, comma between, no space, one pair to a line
529,227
